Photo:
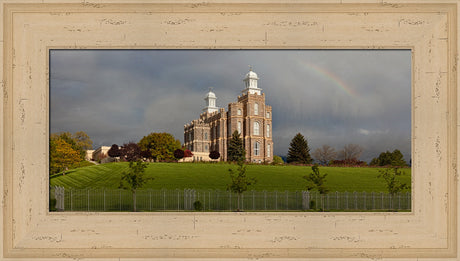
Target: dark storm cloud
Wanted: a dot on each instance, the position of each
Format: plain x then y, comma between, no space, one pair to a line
332,97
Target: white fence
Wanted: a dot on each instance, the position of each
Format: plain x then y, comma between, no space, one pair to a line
218,200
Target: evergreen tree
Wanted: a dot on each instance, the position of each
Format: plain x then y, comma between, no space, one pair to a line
299,152
235,151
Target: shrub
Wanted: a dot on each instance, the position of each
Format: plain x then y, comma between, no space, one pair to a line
348,163
197,205
277,160
214,154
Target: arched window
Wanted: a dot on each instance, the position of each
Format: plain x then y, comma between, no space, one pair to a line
269,147
239,127
256,128
257,148
239,111
205,136
256,109
205,148
268,130
268,114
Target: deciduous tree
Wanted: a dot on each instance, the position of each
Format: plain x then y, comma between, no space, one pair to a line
83,140
316,180
390,176
387,158
114,151
68,138
161,146
299,152
239,181
350,152
134,178
131,151
187,153
277,160
179,154
324,154
62,156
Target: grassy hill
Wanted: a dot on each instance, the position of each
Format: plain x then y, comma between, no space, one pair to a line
215,176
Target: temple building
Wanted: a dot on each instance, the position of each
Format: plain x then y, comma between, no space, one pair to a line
249,115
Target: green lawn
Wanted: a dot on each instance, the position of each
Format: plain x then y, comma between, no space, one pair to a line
215,176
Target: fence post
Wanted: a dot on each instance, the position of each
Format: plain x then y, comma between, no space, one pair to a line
381,195
373,200
265,199
253,201
87,197
346,197
306,200
355,194
287,200
276,200
120,200
391,201
104,199
337,200
409,202
230,200
71,200
364,199
178,206
185,199
150,199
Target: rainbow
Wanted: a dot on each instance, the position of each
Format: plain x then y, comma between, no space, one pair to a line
329,76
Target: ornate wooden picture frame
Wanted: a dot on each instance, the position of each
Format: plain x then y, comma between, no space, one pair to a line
31,28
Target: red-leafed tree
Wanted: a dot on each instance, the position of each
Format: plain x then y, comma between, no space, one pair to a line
114,151
131,151
179,154
187,154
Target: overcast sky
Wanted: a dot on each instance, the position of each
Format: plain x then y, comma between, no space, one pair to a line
332,97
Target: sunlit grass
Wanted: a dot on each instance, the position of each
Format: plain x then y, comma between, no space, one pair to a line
215,176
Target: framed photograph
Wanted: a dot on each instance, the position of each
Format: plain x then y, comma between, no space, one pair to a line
33,29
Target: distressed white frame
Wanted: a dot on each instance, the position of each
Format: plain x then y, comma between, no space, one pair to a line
29,31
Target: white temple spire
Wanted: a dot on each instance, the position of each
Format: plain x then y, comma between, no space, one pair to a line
210,101
250,83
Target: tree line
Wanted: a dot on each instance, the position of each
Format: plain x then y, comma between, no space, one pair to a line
299,153
68,150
